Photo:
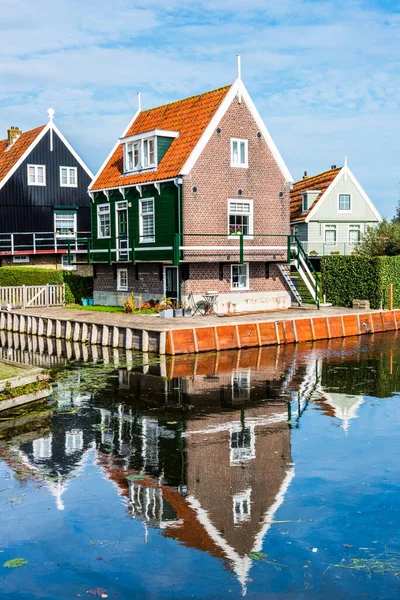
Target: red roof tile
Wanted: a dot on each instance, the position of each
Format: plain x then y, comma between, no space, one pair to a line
8,157
189,117
319,182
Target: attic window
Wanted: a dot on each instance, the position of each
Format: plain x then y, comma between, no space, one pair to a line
140,155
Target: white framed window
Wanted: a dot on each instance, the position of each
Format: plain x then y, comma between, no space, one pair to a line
304,198
344,203
64,263
146,220
354,233
242,444
239,153
20,258
122,280
242,507
330,234
103,221
240,277
36,175
140,154
240,217
68,177
65,224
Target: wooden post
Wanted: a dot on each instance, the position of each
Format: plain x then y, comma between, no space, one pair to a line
391,296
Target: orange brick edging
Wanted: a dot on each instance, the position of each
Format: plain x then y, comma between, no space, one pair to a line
230,337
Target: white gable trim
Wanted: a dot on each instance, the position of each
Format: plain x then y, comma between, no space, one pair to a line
25,155
236,88
131,122
70,148
344,172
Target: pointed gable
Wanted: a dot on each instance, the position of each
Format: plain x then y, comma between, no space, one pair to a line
188,117
10,156
319,182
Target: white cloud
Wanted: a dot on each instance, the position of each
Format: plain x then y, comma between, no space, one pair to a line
326,85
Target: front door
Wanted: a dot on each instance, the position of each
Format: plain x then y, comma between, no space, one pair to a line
122,230
171,283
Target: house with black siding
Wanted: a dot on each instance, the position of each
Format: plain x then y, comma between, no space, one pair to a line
44,206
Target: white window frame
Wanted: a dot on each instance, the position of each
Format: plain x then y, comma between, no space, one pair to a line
249,214
66,235
122,288
64,263
344,210
68,184
240,289
330,226
21,258
239,164
36,167
99,235
148,240
355,227
304,196
241,500
145,141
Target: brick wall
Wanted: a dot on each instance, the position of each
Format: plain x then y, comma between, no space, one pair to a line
142,279
205,276
206,210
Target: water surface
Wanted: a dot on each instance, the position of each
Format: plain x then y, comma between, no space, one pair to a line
265,473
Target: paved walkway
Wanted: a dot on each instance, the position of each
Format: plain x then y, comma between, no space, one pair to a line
154,323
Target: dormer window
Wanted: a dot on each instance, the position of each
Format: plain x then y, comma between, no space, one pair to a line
308,199
305,202
145,150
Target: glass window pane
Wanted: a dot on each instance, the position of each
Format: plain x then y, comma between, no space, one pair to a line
151,152
344,202
235,157
72,178
64,179
242,153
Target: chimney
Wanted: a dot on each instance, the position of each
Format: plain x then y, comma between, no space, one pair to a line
13,134
305,176
333,166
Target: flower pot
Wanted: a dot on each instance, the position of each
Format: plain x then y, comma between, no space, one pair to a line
178,312
167,314
84,301
187,312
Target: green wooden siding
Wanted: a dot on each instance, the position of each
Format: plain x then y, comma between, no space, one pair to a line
165,218
163,143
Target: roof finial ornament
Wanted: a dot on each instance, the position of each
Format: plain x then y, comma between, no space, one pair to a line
51,112
139,101
239,68
345,161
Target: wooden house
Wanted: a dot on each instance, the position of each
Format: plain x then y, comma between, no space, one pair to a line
330,212
44,206
194,197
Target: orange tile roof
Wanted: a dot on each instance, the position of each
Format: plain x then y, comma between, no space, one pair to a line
319,182
189,117
9,157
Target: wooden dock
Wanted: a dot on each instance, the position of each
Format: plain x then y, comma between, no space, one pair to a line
197,334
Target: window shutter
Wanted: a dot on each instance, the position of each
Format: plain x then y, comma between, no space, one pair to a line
185,272
221,271
266,270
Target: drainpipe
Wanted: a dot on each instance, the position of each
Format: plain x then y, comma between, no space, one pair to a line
178,182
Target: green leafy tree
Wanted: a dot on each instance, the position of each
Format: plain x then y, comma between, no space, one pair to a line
383,240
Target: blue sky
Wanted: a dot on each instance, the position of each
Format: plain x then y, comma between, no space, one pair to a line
325,75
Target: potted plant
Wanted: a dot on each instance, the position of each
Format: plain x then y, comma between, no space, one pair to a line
167,311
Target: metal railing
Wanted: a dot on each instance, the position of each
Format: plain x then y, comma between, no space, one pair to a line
329,248
25,296
42,242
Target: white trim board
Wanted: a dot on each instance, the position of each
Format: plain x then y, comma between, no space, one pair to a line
344,172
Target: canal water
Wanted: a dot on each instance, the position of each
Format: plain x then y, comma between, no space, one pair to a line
261,473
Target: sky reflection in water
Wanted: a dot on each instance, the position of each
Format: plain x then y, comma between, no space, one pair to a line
265,473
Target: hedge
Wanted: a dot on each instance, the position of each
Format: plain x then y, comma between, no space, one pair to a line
345,278
76,286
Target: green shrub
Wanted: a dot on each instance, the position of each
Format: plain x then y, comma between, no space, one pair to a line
345,278
76,286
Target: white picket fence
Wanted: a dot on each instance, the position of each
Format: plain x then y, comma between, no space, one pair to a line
29,296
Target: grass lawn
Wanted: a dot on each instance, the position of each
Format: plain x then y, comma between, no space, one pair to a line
108,309
7,371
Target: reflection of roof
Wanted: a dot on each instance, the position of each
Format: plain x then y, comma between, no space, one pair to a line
345,407
319,182
188,117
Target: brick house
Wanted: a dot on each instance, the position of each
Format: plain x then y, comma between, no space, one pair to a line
194,197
